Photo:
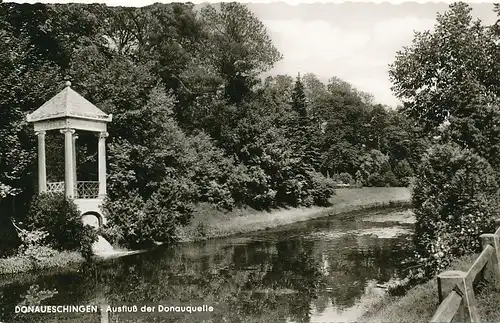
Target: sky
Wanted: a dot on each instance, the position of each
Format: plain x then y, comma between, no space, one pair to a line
355,41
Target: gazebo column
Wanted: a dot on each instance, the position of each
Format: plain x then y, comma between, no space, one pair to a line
102,163
69,182
42,170
75,137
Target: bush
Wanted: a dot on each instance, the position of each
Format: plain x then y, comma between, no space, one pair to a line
359,178
456,198
406,181
343,178
322,189
60,218
375,180
33,247
124,217
294,191
259,193
307,189
134,222
34,254
346,178
215,177
390,179
402,169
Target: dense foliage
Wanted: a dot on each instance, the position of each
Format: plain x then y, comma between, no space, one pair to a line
456,199
60,219
193,120
448,81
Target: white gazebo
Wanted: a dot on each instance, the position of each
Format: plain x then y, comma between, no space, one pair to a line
68,112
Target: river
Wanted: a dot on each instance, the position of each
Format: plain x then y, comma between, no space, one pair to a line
323,270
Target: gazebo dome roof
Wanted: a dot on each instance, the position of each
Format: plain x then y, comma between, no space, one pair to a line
68,103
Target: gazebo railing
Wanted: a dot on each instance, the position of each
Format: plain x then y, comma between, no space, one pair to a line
55,187
83,189
87,189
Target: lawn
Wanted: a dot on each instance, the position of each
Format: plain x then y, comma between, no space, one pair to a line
210,223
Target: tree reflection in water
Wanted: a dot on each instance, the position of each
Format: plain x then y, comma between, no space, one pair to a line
270,277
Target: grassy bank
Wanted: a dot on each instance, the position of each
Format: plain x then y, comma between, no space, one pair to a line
420,303
210,223
19,264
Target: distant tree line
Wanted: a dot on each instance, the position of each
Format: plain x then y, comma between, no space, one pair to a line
193,120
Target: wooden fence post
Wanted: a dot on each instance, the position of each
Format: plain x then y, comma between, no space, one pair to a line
446,283
497,223
467,286
492,268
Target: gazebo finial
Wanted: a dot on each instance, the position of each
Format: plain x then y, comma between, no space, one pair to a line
68,83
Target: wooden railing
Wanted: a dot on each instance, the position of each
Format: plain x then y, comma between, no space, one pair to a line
456,288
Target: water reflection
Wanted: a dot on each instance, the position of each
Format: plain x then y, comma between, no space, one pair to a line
302,273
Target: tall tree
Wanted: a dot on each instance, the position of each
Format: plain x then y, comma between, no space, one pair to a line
299,101
446,71
238,46
276,94
450,76
304,132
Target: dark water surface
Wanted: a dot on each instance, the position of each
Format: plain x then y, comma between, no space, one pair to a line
324,270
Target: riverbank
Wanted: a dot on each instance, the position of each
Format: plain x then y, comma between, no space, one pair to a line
210,223
421,302
22,264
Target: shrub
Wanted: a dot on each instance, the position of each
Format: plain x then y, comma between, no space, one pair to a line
124,217
322,189
33,247
359,178
135,222
61,219
34,254
346,178
402,169
168,208
375,180
87,236
373,162
406,181
455,197
294,191
258,193
216,178
343,178
390,179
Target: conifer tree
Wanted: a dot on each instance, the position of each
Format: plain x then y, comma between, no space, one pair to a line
303,131
299,100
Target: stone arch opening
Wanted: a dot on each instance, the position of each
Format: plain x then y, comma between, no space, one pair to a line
94,219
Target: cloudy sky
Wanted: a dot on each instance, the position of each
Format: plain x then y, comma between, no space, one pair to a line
353,40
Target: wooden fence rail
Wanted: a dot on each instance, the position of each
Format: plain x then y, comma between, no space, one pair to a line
456,288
